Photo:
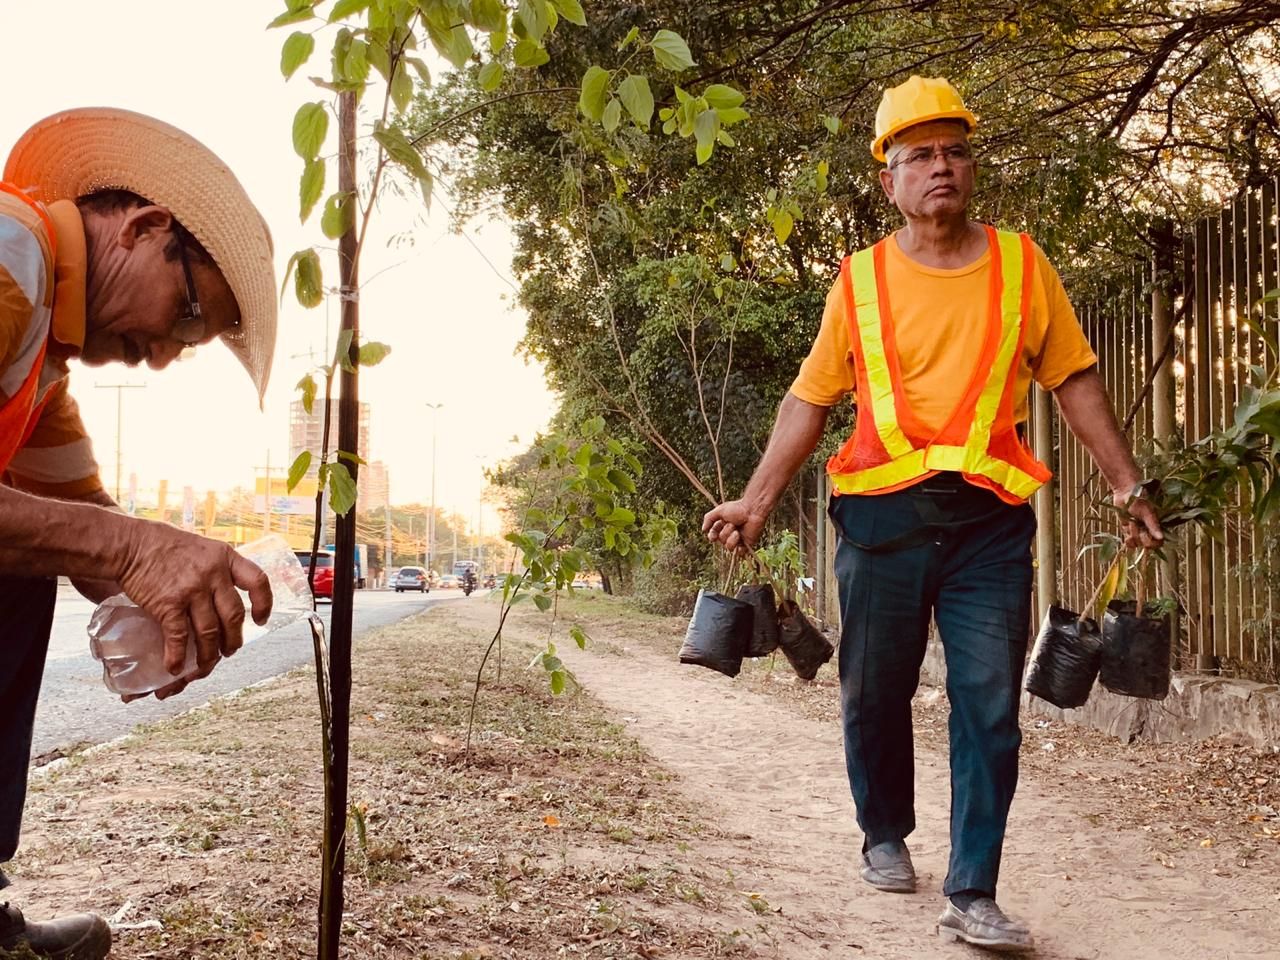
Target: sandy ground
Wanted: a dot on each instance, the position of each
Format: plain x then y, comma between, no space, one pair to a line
1090,888
665,812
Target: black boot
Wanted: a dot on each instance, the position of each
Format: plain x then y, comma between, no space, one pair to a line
84,936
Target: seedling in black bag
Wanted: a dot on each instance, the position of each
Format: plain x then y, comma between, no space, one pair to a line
719,632
1130,654
1065,658
1137,649
802,643
762,595
1068,650
764,619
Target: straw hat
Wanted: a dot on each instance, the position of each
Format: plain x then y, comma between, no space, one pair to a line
78,152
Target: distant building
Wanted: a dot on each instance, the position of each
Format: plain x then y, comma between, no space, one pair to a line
373,486
306,432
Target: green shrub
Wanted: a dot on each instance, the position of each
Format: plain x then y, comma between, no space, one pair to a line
670,585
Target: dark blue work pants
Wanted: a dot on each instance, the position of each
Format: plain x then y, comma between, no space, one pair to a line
972,575
26,620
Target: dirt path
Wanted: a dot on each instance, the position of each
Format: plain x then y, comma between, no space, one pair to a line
776,779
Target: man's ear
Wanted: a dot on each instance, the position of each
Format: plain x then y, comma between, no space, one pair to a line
886,181
142,222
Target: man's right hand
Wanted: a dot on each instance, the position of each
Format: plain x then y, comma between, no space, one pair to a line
188,584
734,525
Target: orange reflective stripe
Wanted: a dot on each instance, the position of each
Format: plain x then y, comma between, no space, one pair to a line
1007,261
20,412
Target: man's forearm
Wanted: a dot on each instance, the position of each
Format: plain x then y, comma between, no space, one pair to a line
796,433
43,537
1086,408
102,499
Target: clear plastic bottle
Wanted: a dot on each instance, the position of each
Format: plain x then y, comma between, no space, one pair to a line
130,644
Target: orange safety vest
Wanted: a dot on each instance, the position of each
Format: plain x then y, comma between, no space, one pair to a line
889,448
21,412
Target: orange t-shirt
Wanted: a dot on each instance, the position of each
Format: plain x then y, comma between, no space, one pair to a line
939,319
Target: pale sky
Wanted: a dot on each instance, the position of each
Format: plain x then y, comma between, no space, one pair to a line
213,70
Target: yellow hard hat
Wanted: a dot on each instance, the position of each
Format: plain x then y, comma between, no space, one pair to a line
918,100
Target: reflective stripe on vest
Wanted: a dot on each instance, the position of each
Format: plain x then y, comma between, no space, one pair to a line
19,414
888,449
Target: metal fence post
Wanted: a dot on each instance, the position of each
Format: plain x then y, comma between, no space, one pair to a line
1164,423
820,546
1046,515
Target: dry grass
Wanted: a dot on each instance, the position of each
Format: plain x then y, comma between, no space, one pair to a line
557,837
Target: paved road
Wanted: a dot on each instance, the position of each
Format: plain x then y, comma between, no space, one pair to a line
76,708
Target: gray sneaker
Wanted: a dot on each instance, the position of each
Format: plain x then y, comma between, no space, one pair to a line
984,925
887,866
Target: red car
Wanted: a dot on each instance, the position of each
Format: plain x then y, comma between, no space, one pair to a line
323,583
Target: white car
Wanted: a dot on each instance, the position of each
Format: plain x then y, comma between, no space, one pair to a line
411,578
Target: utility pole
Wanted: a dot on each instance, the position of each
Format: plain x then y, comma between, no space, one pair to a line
477,552
266,500
386,549
431,522
119,388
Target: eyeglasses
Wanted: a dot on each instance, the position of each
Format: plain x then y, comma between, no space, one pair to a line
956,155
188,329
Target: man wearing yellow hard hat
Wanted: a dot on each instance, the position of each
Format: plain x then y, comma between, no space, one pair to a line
937,331
122,239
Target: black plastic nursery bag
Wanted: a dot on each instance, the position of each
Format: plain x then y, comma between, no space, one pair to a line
1065,659
1136,652
802,642
764,622
719,632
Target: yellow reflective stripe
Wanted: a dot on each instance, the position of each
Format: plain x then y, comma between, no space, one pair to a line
967,460
907,467
918,463
941,457
1018,482
988,406
866,293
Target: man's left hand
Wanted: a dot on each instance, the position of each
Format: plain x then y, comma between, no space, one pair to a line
1143,526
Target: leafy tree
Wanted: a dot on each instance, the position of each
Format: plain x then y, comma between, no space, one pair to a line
374,47
1097,119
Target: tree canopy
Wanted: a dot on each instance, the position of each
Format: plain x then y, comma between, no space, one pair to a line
675,285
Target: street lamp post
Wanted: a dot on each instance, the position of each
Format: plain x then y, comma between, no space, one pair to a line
119,388
478,554
431,523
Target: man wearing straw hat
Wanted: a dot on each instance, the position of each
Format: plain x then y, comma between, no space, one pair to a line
122,239
938,332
